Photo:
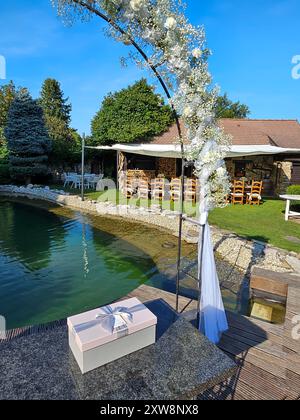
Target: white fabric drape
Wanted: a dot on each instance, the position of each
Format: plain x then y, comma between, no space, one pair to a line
174,150
213,320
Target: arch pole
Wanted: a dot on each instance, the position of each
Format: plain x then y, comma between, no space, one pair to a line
132,42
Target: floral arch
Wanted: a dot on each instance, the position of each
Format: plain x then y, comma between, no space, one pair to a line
175,51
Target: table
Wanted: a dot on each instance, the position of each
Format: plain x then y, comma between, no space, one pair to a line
181,365
289,199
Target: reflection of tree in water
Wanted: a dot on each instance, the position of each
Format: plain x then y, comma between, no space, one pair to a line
28,233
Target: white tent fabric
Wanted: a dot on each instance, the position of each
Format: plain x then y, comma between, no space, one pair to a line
213,321
174,151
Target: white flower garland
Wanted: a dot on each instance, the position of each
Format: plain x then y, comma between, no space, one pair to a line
179,49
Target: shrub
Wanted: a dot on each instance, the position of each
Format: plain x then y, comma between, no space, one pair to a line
294,190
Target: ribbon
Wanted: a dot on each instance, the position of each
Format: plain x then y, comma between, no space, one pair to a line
115,320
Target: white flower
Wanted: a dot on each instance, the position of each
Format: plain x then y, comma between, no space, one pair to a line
136,5
221,172
197,53
170,23
188,112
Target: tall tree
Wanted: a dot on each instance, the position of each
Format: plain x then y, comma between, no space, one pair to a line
135,113
228,109
7,95
28,139
57,113
53,102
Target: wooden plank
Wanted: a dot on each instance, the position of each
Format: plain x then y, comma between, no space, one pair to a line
256,326
269,286
270,364
272,275
268,369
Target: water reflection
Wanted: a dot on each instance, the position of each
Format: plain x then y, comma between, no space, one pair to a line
53,266
24,238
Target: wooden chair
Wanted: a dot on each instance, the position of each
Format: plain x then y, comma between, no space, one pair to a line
175,188
254,197
129,188
143,189
158,189
237,196
190,191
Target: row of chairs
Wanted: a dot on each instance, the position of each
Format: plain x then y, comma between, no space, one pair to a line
159,189
241,196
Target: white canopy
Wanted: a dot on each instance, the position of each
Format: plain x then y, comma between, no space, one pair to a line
174,151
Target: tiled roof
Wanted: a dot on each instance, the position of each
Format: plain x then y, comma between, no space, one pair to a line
281,133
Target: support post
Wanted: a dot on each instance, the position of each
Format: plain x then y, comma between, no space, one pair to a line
180,230
118,166
82,167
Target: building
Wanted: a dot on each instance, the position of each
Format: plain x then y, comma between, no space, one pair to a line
267,150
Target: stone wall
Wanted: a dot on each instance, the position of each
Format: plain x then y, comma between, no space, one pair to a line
276,175
166,167
284,177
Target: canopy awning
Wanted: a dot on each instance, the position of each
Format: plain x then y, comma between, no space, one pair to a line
174,151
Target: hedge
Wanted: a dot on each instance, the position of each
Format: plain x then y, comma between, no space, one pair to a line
4,173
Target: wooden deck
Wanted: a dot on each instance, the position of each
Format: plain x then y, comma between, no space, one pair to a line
267,356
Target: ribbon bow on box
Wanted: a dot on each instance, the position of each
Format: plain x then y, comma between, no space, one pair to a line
115,320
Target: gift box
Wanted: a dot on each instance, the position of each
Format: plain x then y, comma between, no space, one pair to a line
103,335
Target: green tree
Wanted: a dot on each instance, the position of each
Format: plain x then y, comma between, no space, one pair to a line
53,102
228,109
7,95
133,114
57,113
27,138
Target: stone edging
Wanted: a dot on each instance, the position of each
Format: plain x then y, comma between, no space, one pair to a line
240,252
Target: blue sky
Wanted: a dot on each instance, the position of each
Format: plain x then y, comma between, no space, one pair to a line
253,42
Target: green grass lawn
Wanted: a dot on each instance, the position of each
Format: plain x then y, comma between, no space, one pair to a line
264,223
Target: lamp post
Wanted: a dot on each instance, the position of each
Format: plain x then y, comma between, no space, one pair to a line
82,167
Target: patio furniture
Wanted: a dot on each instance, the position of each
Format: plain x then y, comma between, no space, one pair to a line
175,187
237,196
190,190
129,188
288,212
91,181
68,180
143,189
76,181
254,197
158,189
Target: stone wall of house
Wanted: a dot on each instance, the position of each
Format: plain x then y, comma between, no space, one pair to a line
276,174
166,167
284,176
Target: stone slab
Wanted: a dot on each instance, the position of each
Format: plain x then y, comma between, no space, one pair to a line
182,364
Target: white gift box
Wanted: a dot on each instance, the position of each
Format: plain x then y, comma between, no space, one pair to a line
103,335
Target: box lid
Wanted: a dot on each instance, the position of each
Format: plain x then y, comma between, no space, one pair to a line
91,332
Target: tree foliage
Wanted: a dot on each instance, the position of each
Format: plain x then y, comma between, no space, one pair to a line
7,95
57,113
53,102
132,114
27,137
225,108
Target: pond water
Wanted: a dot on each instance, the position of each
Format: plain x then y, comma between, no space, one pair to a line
55,262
